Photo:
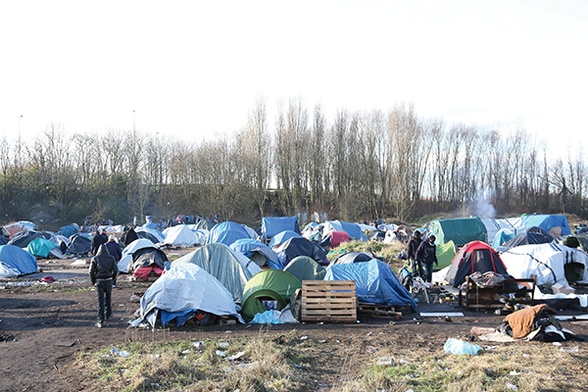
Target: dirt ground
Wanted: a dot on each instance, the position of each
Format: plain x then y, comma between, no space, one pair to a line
44,327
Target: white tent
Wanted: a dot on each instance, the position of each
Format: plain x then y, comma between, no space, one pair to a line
180,235
186,287
516,225
153,232
126,259
544,261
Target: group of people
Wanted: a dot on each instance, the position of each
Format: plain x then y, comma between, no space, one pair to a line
103,272
422,254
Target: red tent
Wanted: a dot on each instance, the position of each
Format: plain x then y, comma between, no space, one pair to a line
474,256
338,237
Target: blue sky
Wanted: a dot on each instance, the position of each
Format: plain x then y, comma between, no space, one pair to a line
194,69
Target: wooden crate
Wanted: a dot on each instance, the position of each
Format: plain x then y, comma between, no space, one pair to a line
332,301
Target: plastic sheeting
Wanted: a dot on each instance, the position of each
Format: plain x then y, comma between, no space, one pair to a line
40,247
300,246
282,237
231,268
186,287
544,261
126,261
556,225
353,229
16,261
375,283
258,252
459,230
270,226
180,235
227,233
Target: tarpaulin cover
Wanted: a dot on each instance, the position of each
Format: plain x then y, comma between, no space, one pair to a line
282,237
186,287
16,261
459,230
300,246
227,233
250,248
230,268
544,261
556,225
353,229
126,261
272,225
40,247
375,283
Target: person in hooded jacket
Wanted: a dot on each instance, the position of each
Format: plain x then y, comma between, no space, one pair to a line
98,239
129,236
103,272
426,255
413,245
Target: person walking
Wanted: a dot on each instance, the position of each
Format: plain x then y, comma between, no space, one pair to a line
114,248
426,255
413,245
103,273
98,239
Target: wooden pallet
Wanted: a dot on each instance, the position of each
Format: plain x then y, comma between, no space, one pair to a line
332,301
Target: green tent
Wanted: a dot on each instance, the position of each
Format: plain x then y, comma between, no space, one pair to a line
270,284
305,268
459,230
40,247
445,253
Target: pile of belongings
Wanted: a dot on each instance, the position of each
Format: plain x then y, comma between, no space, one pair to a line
535,323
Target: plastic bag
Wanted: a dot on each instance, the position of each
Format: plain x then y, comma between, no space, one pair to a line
456,346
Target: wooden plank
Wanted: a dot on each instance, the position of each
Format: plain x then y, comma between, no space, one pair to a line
329,301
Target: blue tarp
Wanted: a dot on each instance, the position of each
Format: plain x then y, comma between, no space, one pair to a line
548,222
353,229
271,225
227,233
18,259
69,230
282,237
375,283
249,246
502,236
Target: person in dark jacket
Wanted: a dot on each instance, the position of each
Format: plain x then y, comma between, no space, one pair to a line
103,272
130,236
426,255
114,248
98,239
413,245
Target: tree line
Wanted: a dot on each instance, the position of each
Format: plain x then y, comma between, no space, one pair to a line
355,166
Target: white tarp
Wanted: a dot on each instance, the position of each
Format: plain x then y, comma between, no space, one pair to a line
126,259
516,225
183,287
544,261
180,235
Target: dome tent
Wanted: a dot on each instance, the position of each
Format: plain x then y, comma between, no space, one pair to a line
269,284
15,261
475,256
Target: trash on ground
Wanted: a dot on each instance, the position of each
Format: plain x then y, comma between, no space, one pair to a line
456,346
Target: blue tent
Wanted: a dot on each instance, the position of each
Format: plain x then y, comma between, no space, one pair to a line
69,230
17,260
502,236
375,283
257,251
272,225
282,237
227,233
353,229
556,225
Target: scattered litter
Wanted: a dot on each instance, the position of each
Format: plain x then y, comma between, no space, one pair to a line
297,366
574,349
119,353
236,356
515,373
526,355
403,361
456,346
556,343
221,353
135,298
303,337
186,352
369,333
198,344
322,341
511,386
246,365
384,361
229,331
338,341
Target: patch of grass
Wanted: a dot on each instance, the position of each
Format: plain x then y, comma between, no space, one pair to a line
504,368
72,289
264,365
